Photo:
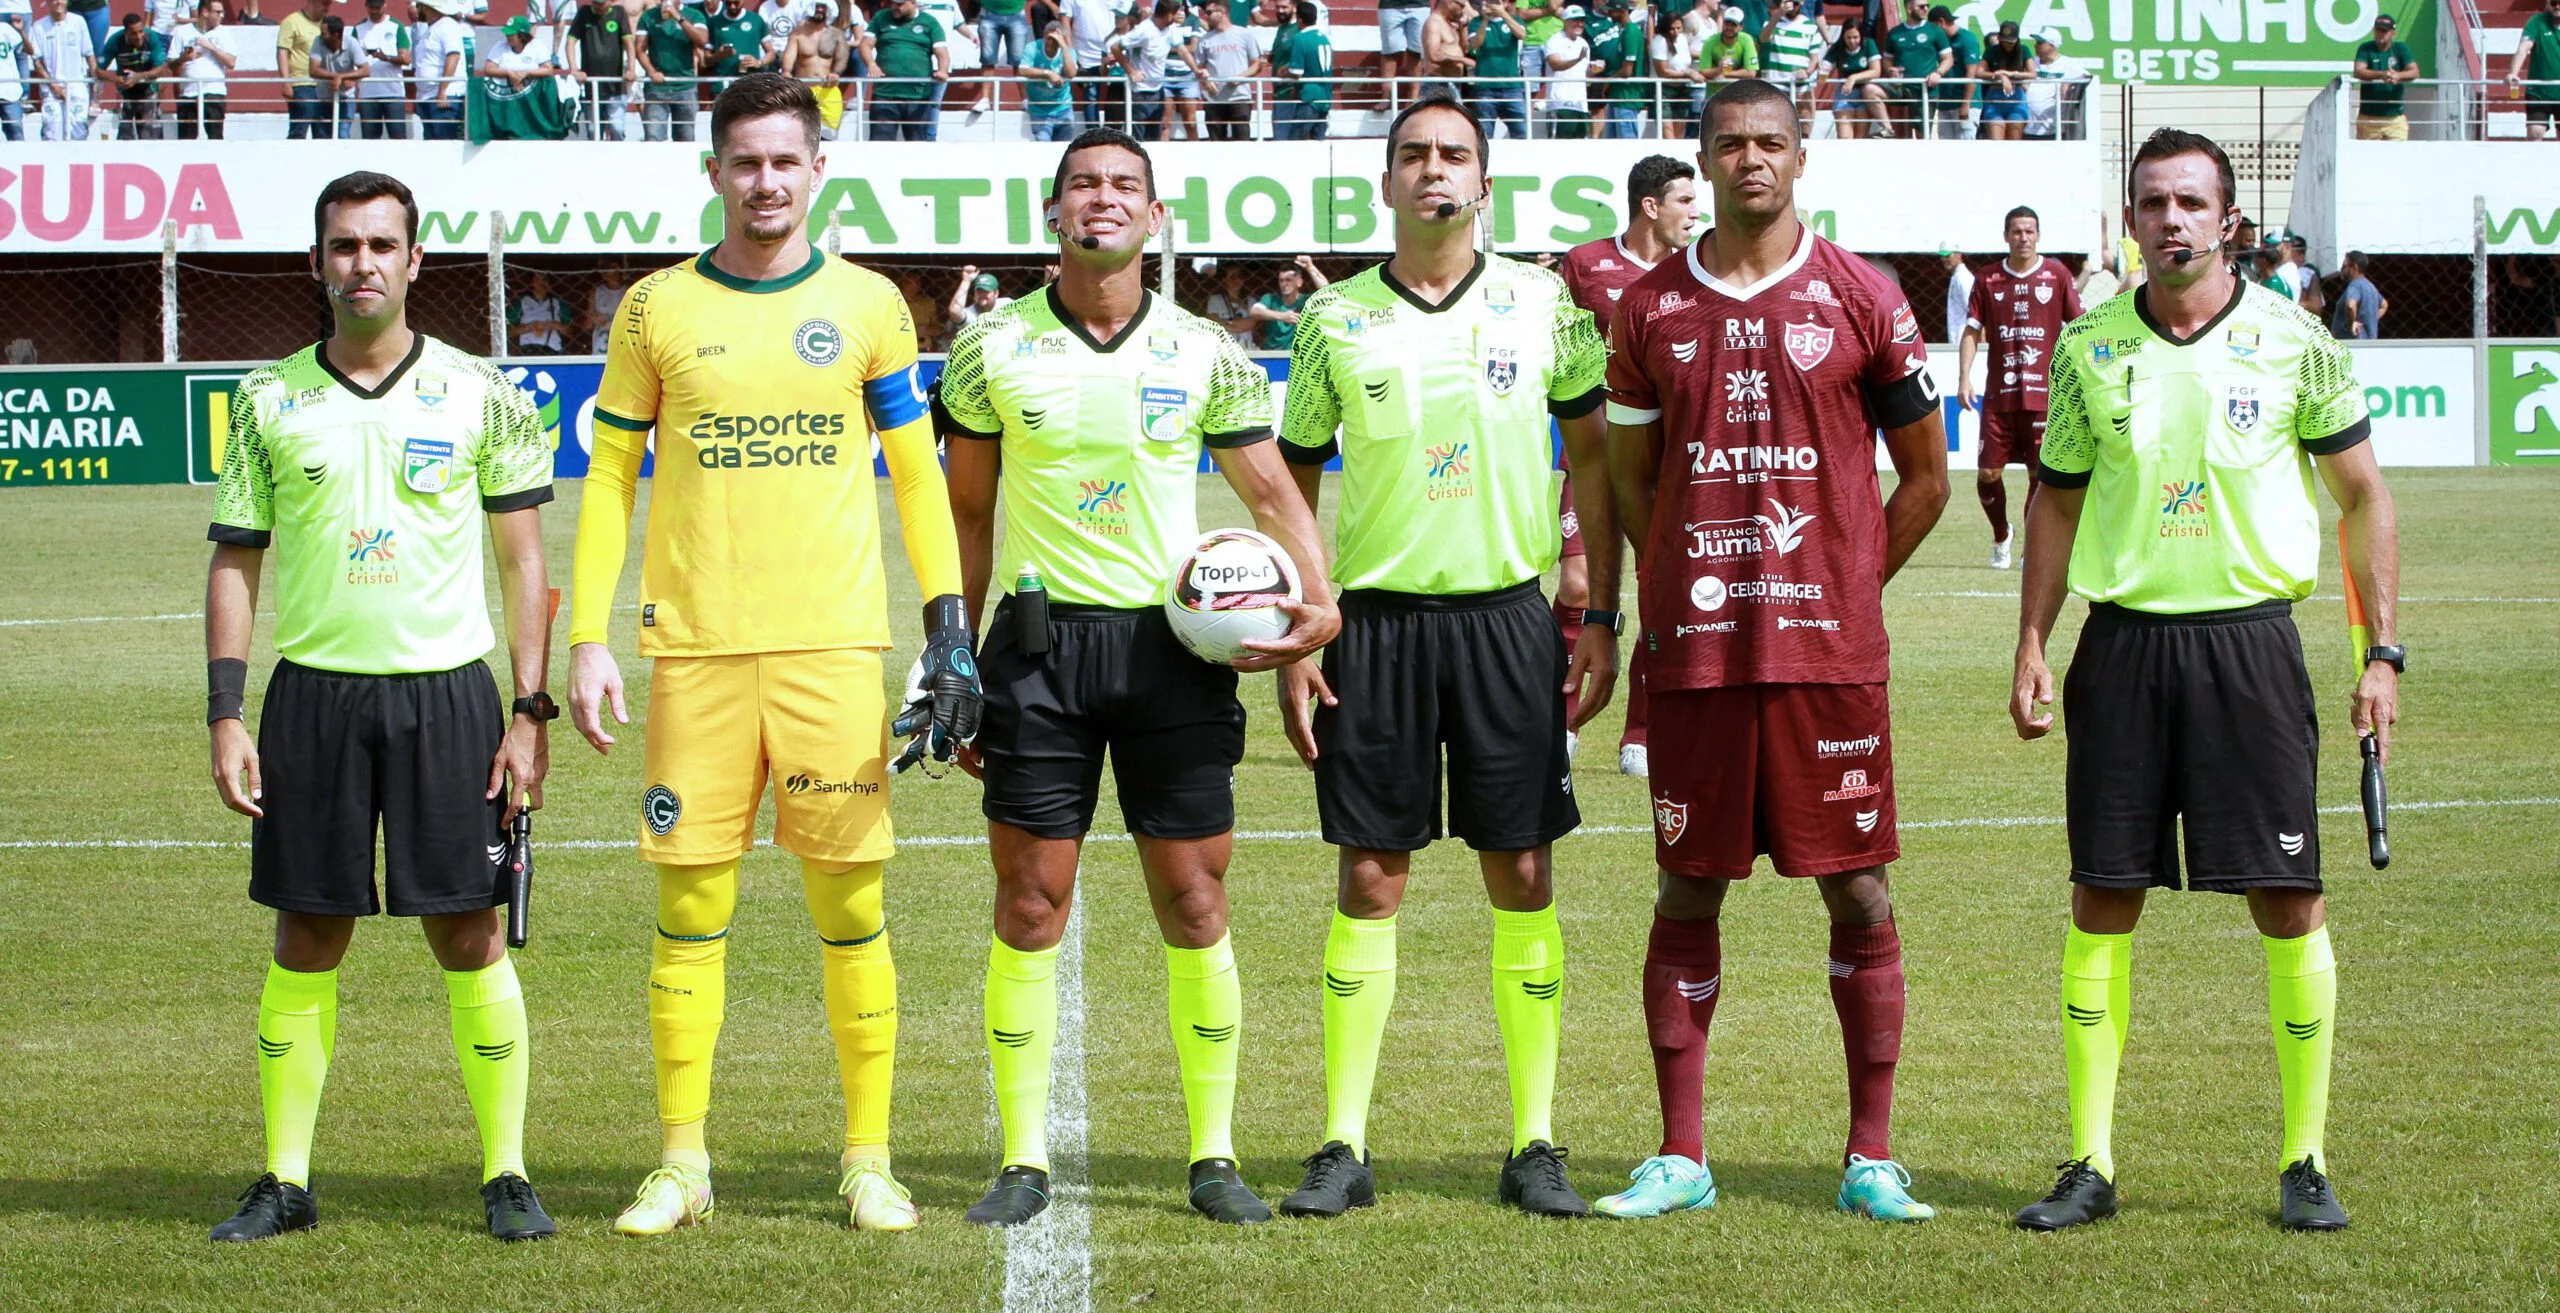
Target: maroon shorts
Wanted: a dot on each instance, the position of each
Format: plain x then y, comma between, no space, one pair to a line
1802,772
1572,522
2010,437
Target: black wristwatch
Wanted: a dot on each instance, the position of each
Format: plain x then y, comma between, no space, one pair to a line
537,705
1615,620
2393,655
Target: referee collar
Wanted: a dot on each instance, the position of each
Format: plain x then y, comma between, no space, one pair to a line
417,347
1388,276
1146,306
2142,307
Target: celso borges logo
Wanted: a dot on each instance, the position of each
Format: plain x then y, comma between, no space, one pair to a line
660,808
818,342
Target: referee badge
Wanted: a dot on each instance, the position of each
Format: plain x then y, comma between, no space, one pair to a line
1501,370
1161,412
2240,406
426,466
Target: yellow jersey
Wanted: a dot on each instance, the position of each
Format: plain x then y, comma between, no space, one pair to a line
764,532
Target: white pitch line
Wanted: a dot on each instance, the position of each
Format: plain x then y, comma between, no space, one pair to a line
973,840
1048,1261
2011,594
102,619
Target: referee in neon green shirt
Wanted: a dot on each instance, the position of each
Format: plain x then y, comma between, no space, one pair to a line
365,464
2187,420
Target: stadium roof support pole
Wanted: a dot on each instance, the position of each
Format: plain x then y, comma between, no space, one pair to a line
169,292
497,284
2480,329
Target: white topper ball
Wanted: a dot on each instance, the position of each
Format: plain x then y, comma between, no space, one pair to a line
1229,588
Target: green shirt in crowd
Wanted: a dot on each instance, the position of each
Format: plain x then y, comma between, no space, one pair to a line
670,49
903,48
2382,100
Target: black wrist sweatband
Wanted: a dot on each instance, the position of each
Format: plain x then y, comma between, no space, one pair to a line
226,683
945,612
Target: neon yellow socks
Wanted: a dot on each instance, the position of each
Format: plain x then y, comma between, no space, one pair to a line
688,969
1205,1005
2097,995
1022,1025
1528,1005
1359,992
861,985
2302,1010
297,1031
490,1041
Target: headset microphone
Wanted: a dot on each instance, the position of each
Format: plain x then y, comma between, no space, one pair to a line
1089,242
1448,209
2183,258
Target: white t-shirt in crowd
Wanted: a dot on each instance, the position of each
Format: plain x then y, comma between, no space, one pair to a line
1147,47
1093,24
384,69
1959,300
167,15
12,88
203,75
1568,88
64,47
443,37
2044,97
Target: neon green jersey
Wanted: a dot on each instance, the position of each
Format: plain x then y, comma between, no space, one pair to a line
372,501
1442,413
2197,454
1101,440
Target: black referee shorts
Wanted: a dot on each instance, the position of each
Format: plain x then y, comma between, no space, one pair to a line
1481,674
1112,680
339,753
2208,717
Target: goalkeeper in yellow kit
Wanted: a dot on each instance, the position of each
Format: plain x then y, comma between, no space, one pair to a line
763,365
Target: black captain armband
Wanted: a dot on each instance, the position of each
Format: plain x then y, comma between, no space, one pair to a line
1906,400
226,681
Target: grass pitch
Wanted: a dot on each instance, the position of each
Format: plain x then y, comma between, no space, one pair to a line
131,974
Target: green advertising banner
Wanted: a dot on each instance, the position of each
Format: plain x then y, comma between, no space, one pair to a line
133,425
2524,404
2247,42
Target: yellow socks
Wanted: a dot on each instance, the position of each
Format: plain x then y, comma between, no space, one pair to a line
1205,1006
1022,1024
862,995
1528,1005
490,1041
297,1031
2302,1009
2097,1001
688,967
1359,992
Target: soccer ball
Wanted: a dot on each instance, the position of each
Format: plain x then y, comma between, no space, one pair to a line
1229,588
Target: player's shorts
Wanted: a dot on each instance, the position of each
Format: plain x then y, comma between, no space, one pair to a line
720,725
338,753
1400,30
1802,772
2207,717
1479,673
2010,437
1112,680
1569,519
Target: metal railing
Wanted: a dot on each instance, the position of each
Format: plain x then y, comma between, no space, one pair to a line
2462,109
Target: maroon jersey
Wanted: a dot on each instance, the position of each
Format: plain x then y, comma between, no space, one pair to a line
1598,273
2020,316
1766,562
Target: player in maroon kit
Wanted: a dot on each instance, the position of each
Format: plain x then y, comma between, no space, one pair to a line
1662,203
2021,304
1747,380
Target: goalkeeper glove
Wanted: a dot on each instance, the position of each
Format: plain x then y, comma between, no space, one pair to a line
943,696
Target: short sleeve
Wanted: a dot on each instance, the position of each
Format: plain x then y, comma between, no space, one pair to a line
1238,413
1974,310
1899,387
627,398
515,460
244,499
962,405
2329,413
1581,362
2070,448
1312,419
2071,307
1633,399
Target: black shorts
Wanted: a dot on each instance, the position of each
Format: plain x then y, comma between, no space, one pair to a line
338,752
2544,112
1483,674
1117,680
2207,717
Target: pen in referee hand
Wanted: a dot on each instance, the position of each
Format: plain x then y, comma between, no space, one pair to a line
518,873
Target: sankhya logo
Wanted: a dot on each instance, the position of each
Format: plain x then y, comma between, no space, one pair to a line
818,342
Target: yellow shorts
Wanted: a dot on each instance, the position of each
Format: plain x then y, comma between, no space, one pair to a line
2382,128
719,725
830,106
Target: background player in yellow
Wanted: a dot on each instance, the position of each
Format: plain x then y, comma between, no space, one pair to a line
763,365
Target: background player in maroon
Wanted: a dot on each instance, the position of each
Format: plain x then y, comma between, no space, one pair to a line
2019,306
1662,200
1746,383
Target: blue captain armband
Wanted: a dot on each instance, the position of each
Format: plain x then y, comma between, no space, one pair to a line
895,400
